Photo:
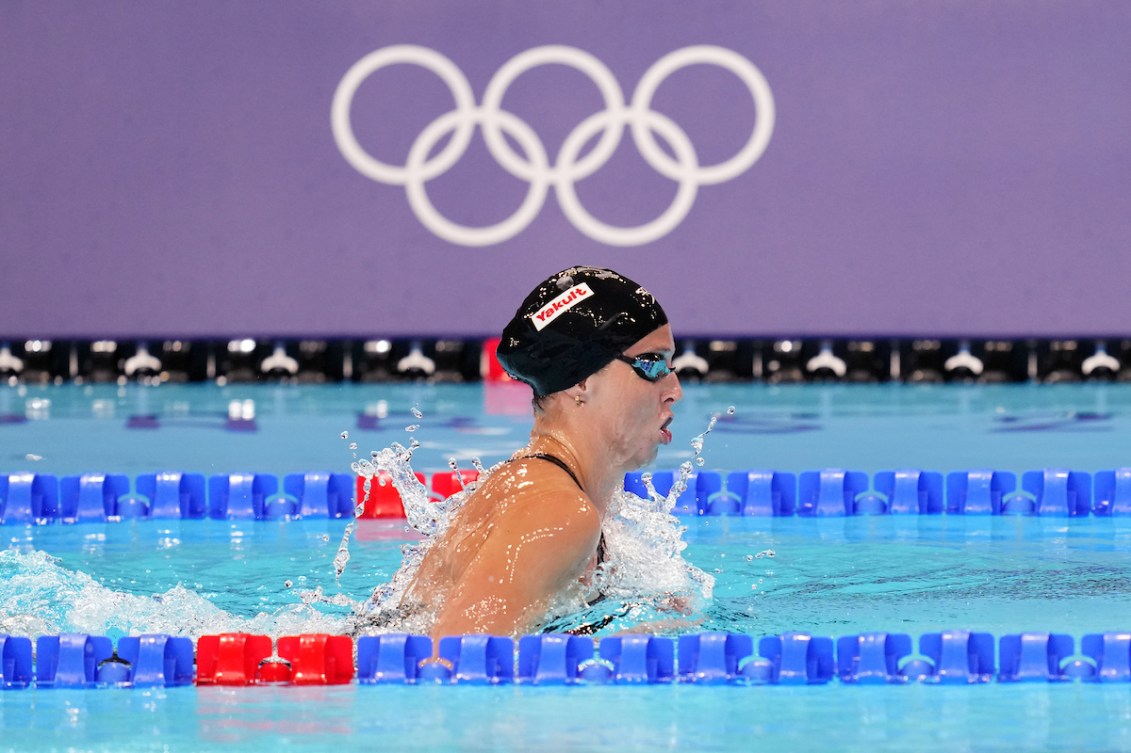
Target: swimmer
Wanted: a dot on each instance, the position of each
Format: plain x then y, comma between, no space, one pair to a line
596,348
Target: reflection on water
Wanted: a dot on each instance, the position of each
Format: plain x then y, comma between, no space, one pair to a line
792,428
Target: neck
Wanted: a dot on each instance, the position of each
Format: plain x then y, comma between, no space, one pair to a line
598,480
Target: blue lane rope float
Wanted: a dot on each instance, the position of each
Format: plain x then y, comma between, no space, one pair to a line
950,657
42,499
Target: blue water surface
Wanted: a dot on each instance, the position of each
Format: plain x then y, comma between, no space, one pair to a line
80,428
834,577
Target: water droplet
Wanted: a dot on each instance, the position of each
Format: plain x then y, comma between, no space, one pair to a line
287,584
341,559
325,537
353,445
750,558
416,412
412,428
453,464
345,435
699,461
730,410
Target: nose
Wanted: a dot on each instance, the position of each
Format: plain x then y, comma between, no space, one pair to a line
673,391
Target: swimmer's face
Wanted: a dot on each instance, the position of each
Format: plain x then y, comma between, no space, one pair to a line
638,409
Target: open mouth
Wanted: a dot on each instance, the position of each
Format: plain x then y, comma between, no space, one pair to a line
665,433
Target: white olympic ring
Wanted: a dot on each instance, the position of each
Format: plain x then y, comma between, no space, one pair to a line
534,165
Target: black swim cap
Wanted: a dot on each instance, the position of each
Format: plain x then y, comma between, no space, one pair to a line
573,324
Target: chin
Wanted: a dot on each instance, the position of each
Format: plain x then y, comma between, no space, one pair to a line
639,462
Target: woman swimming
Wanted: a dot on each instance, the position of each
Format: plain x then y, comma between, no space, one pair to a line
596,348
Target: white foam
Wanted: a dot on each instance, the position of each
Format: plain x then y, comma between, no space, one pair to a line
643,576
40,597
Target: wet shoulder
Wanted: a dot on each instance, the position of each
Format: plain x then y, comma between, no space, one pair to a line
536,487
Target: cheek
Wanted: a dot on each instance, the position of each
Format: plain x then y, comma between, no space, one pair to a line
635,410
645,414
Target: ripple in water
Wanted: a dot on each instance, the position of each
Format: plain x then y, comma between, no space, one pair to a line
645,582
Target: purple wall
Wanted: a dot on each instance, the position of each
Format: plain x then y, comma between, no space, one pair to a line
945,168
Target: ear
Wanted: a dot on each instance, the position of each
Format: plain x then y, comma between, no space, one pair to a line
579,391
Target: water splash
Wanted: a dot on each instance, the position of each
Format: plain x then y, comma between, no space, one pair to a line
644,582
38,596
342,558
645,547
392,464
697,441
643,577
384,612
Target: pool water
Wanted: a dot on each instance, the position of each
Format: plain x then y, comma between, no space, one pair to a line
1065,717
829,577
836,576
77,429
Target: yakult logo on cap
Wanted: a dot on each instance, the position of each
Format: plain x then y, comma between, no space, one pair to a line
560,305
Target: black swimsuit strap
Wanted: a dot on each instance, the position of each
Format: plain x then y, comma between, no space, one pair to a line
588,628
561,464
556,461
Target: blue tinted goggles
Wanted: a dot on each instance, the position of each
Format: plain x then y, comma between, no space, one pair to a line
651,367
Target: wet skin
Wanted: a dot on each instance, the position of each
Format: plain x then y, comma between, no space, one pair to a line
529,534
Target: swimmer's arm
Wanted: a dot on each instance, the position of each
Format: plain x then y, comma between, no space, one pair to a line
509,584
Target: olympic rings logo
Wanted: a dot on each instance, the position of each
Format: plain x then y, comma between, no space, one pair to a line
534,165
